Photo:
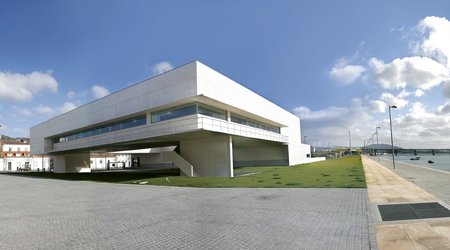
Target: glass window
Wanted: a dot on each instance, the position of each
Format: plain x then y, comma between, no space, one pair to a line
174,113
138,121
213,112
253,123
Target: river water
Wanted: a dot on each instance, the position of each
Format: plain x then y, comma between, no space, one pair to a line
441,160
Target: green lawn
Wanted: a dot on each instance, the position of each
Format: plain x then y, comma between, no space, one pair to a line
345,172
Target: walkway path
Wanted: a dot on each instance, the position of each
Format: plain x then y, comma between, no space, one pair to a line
434,181
386,187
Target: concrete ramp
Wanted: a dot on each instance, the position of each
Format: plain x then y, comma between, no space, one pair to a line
185,167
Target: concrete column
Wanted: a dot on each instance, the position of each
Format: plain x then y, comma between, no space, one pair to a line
210,156
228,116
59,163
72,163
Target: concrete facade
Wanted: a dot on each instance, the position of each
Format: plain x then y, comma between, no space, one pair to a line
221,124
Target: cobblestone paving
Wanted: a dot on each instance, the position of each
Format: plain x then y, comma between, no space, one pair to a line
435,182
54,214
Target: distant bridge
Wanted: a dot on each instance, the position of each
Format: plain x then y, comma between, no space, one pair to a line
409,151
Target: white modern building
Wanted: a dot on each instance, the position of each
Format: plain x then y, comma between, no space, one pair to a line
192,117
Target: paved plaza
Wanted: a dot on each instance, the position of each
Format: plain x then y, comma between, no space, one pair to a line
55,214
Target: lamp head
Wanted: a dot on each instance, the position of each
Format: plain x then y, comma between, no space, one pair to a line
392,107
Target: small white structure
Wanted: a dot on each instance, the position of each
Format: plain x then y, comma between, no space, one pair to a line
213,124
15,156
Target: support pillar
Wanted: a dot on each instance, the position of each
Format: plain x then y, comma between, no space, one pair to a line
210,156
71,163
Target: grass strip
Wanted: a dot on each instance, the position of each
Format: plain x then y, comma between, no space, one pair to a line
346,172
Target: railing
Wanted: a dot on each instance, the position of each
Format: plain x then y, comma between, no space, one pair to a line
213,124
174,126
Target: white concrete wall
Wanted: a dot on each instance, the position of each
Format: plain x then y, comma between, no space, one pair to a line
150,160
40,163
216,86
210,156
261,155
59,164
100,163
15,147
35,163
161,90
71,163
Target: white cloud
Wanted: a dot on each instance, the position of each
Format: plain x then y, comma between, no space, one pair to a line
419,93
45,110
99,91
345,73
22,111
19,87
378,106
419,125
437,44
161,67
50,112
333,122
444,109
417,72
390,99
404,94
66,107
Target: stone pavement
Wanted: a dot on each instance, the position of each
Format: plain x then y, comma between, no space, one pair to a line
386,187
437,182
54,214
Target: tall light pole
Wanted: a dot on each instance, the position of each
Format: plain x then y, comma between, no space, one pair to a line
378,153
364,148
392,138
350,142
373,149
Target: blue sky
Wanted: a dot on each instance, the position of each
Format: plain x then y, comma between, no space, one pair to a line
336,64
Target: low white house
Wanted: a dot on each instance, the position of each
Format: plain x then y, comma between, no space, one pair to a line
16,156
192,117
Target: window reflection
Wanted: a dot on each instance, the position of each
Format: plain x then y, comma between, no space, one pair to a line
253,123
130,123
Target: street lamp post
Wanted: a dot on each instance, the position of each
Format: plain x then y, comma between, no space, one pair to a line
304,139
364,148
373,150
392,138
350,142
378,153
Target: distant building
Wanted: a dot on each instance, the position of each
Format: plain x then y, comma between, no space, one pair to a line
192,117
15,155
